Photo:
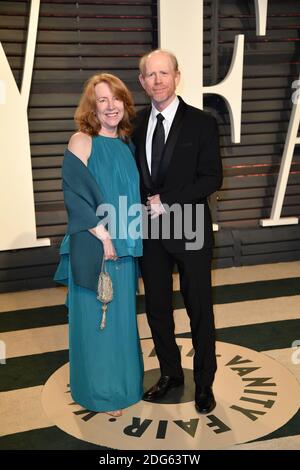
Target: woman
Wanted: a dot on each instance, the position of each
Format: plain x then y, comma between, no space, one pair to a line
106,368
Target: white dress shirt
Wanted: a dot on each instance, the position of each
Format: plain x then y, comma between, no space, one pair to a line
168,114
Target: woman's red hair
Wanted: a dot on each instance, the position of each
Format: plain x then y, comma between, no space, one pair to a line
85,115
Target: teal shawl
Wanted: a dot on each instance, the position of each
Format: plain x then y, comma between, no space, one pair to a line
82,197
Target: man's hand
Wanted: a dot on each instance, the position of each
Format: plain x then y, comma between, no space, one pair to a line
154,206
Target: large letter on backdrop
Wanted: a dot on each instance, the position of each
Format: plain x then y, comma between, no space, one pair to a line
18,228
291,141
181,31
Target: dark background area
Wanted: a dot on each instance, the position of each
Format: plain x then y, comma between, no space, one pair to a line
79,38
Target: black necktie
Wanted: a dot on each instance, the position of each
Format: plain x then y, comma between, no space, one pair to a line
158,142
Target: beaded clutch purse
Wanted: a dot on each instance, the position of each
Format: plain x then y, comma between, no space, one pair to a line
105,292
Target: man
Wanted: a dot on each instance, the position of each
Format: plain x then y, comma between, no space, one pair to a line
177,153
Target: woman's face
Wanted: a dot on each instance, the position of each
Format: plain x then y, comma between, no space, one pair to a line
109,109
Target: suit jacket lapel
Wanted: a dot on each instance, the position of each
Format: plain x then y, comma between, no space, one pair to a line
171,142
142,154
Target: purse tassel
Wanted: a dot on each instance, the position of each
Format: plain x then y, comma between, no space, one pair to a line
103,321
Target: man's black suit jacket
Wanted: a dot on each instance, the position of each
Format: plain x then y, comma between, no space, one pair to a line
190,169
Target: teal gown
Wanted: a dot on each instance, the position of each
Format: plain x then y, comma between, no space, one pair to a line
106,367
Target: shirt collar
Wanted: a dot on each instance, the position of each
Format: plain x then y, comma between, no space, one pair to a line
169,112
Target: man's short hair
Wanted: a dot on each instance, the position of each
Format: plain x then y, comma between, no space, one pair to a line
143,60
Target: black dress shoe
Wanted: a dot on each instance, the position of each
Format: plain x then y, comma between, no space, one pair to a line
204,399
160,389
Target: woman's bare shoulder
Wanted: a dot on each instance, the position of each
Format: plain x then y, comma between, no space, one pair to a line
80,144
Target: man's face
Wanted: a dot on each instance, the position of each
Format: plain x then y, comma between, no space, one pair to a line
160,79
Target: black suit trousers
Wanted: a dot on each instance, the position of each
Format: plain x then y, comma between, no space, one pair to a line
194,269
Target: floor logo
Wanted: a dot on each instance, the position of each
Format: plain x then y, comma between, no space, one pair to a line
255,396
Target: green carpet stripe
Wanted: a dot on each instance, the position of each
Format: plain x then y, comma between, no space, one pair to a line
256,290
38,367
29,371
51,438
57,315
33,318
261,336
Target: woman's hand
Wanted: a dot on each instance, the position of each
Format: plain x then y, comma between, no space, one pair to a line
109,250
108,246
